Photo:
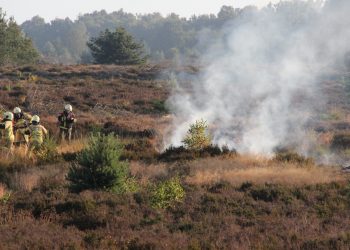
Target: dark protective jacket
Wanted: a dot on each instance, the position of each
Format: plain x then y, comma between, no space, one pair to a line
66,120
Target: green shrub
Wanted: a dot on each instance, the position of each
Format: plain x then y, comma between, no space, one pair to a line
166,193
197,137
95,129
8,87
160,106
130,185
48,152
5,198
99,167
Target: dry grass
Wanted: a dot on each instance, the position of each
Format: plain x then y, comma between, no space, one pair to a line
147,172
21,172
16,159
72,147
259,170
2,190
25,181
240,169
29,179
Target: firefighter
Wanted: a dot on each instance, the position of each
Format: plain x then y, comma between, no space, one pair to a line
2,111
7,137
21,123
66,120
36,133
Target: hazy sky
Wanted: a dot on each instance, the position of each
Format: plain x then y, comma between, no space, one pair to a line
23,10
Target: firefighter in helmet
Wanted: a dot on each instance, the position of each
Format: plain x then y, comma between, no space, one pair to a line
21,122
36,133
7,136
66,121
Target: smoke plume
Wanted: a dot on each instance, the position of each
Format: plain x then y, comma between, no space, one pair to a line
258,86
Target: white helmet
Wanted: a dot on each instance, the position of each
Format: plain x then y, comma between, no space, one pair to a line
8,116
68,107
35,118
17,110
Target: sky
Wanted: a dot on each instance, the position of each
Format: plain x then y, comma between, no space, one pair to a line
23,10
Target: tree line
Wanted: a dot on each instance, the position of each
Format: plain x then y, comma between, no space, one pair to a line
170,37
65,41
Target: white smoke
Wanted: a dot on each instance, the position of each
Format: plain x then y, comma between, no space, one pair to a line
258,87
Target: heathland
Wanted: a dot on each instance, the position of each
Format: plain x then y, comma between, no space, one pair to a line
212,199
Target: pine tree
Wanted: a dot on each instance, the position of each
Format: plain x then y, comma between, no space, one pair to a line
116,47
99,167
